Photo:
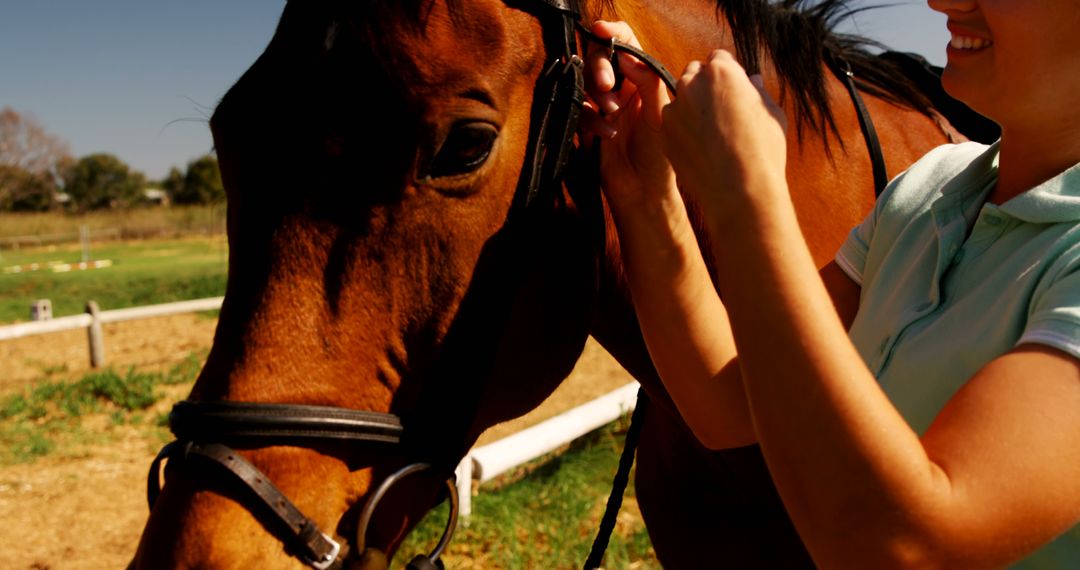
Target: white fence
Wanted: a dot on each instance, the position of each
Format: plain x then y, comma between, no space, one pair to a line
482,463
486,462
93,319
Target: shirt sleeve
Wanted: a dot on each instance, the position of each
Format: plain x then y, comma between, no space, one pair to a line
851,257
1054,317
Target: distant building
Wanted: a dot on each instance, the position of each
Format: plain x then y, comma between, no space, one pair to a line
156,197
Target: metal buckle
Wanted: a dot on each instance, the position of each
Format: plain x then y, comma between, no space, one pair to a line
328,558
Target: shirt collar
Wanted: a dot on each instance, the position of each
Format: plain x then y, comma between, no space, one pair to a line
1056,200
1053,201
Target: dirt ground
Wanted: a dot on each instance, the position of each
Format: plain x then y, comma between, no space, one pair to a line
86,512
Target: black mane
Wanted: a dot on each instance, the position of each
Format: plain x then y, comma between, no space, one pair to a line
798,35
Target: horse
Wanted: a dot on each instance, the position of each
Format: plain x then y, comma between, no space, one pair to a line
403,244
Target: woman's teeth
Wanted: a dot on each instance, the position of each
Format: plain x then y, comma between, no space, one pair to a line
965,42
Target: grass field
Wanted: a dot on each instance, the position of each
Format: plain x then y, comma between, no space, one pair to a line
142,273
171,221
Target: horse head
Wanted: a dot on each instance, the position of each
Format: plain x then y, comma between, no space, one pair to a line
387,248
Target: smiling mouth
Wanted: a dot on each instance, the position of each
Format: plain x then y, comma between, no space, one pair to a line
969,43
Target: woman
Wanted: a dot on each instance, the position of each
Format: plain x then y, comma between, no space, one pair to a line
945,431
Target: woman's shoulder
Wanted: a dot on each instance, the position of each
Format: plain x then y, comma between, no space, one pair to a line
952,158
949,168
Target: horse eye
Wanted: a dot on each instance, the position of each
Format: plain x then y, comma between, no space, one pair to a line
465,149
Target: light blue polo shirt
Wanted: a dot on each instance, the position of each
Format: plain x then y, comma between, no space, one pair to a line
950,282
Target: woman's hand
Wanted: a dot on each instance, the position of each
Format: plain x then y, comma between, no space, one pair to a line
725,137
634,169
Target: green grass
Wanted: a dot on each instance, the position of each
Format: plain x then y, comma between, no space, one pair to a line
546,519
49,417
143,273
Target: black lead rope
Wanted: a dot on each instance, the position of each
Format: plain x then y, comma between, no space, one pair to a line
618,485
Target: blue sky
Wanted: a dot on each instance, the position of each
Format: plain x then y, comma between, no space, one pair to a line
139,78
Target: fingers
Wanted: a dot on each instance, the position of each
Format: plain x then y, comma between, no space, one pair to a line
720,67
599,73
592,123
650,88
723,126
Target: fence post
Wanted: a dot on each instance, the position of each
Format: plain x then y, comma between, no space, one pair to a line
97,337
84,238
464,484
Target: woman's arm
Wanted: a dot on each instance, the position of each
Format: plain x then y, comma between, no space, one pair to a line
683,321
997,474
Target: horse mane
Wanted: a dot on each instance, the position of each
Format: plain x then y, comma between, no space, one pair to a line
797,35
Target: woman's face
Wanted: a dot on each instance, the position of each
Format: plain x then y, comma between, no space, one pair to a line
1011,58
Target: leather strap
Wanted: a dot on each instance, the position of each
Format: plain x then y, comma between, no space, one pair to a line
217,421
314,546
617,46
196,424
842,70
565,6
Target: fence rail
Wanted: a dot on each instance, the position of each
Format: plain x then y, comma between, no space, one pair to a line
486,462
37,240
481,463
94,318
83,321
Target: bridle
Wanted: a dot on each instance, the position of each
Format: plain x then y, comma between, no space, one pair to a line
205,431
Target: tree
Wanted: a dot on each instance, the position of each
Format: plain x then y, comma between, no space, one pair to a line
173,183
24,191
202,183
103,181
31,162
